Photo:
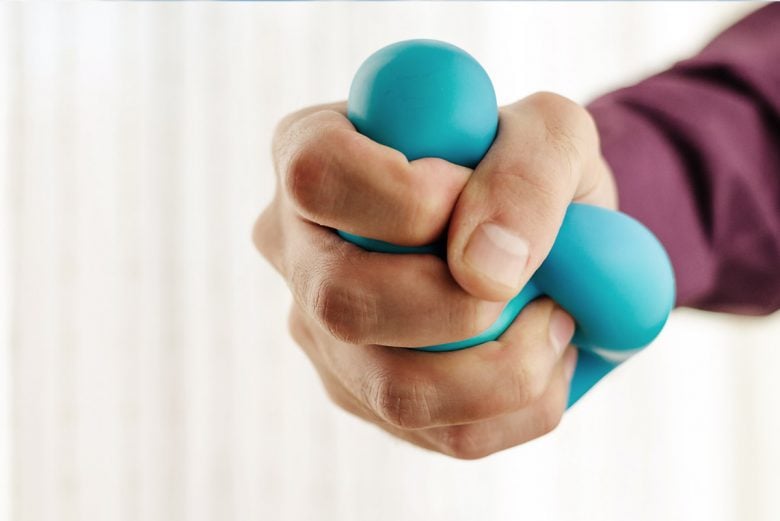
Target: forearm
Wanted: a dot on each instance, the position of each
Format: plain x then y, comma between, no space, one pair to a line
696,155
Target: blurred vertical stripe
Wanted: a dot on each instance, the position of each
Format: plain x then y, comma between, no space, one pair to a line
152,377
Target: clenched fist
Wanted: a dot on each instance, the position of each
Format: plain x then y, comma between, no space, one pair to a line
358,313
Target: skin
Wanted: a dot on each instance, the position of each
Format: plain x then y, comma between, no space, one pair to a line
352,305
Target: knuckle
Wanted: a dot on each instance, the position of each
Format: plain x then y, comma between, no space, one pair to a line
546,98
341,309
466,442
568,125
554,106
405,403
287,135
305,175
283,125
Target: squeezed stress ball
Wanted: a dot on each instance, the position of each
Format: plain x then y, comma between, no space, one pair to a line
427,98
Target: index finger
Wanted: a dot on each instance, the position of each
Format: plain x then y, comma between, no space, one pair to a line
336,177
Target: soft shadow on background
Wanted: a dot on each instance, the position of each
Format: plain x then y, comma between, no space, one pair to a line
147,372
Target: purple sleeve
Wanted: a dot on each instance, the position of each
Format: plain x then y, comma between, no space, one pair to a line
696,154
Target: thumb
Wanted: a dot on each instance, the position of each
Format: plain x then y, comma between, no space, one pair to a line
508,215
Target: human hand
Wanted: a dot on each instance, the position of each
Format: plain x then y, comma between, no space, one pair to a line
350,303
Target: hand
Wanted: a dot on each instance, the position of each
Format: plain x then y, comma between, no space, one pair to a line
350,303
545,156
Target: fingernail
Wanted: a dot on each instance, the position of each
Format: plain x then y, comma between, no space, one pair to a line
569,364
497,253
561,330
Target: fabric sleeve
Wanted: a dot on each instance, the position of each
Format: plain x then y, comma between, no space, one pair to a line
696,154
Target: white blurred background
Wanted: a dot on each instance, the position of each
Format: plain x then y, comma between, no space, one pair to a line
147,373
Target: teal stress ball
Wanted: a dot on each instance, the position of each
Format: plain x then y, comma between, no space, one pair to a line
430,99
426,99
